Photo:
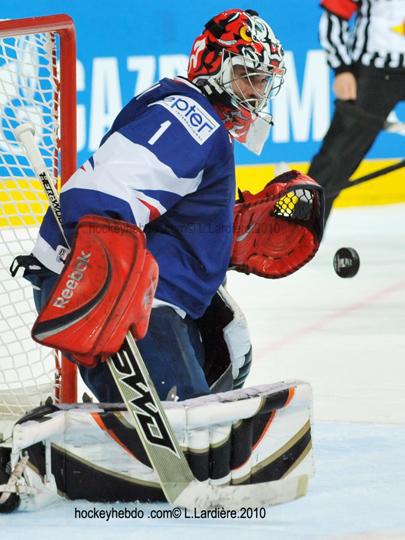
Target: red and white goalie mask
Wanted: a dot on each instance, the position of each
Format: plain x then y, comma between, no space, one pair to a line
238,63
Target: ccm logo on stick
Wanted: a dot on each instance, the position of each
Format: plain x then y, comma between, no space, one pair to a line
198,122
82,263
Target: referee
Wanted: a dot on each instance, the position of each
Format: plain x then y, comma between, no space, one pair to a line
364,42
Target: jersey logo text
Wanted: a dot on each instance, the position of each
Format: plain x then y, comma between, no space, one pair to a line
200,124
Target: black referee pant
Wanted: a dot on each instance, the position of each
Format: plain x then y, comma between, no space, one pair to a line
354,127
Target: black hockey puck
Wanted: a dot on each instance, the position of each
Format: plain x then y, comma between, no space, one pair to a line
346,262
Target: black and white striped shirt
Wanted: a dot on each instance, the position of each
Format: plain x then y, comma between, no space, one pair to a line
376,39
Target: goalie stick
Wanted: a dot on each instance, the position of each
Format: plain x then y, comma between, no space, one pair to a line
151,423
132,378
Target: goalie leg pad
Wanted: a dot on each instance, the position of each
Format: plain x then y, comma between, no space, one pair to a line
254,439
106,288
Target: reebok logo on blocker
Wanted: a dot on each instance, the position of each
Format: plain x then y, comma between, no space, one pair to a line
82,263
194,118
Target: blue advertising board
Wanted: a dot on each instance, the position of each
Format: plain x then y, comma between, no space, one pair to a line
125,46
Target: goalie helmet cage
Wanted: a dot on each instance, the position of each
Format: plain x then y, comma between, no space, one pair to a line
37,85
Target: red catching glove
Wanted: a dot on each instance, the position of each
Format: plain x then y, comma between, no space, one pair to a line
105,290
279,229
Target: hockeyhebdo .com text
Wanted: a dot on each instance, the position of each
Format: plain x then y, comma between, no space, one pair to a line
137,513
197,228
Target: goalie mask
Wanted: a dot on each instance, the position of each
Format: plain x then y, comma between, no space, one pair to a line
238,63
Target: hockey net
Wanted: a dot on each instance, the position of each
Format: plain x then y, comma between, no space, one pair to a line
37,85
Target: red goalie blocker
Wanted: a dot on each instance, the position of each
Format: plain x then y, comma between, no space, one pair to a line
105,290
278,230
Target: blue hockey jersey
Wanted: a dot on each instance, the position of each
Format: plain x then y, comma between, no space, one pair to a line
166,165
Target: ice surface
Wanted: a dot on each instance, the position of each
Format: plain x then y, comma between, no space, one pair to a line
346,337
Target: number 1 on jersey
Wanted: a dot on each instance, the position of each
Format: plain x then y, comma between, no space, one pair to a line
159,132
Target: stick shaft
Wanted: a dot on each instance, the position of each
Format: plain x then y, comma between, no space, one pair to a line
367,177
152,425
378,173
25,134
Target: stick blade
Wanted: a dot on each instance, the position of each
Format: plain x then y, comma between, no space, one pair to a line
199,495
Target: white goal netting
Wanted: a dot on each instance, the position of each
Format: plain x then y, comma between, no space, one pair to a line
29,90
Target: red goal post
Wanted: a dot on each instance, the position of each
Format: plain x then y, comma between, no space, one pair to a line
37,84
